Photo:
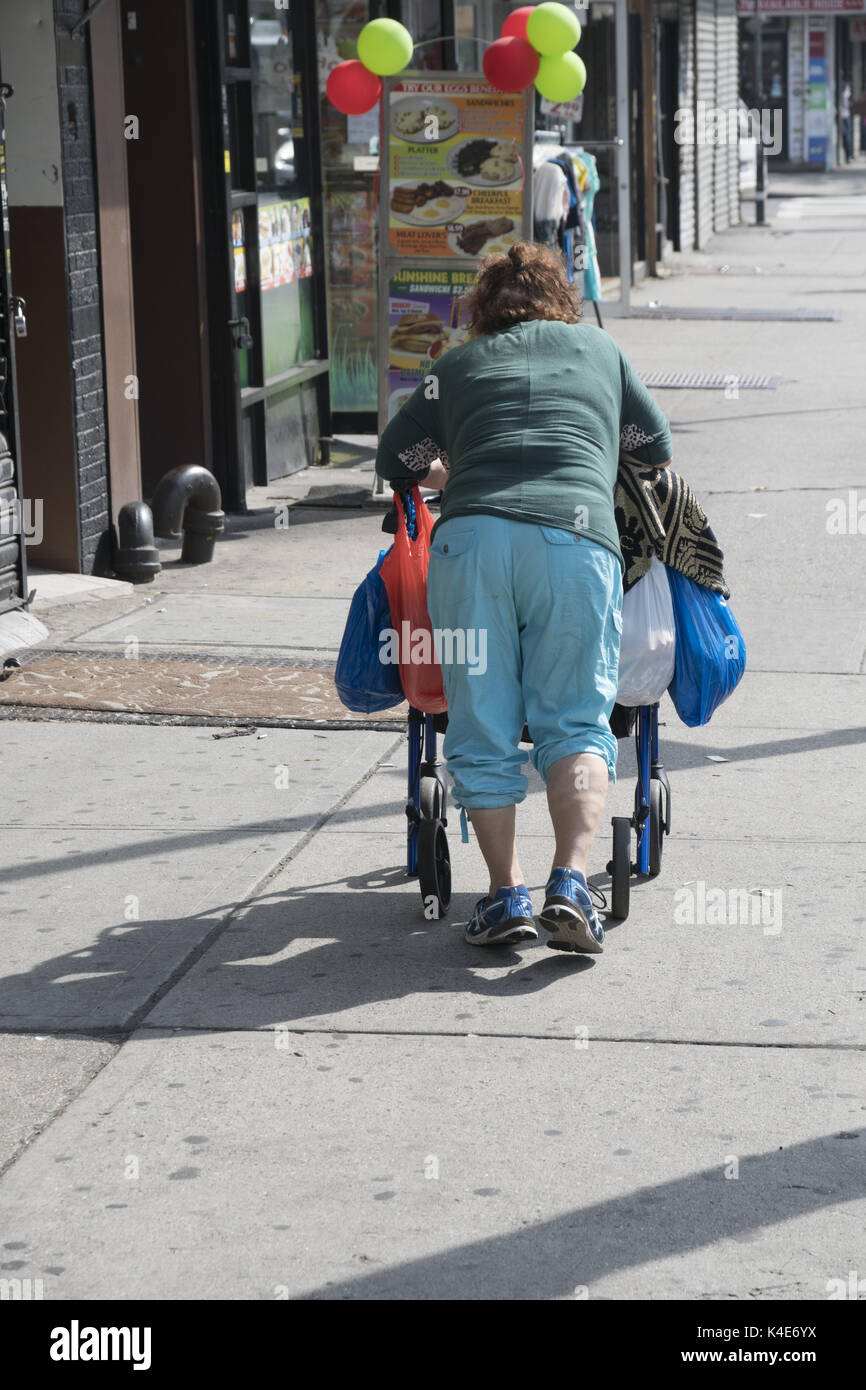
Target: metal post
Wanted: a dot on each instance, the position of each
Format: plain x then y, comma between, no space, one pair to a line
622,155
642,794
760,191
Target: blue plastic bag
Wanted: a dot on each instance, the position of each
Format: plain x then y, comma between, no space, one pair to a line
364,683
710,651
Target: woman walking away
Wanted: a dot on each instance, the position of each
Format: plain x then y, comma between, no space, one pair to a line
523,426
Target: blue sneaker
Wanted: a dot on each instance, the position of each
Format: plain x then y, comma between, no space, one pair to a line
569,915
503,919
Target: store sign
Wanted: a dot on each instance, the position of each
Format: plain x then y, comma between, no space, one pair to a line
746,7
566,110
816,96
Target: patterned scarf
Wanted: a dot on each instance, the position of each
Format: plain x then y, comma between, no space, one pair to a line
657,513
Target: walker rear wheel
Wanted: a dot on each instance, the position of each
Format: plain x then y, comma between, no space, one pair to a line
434,868
656,828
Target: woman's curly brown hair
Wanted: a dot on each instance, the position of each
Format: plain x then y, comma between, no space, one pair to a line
528,283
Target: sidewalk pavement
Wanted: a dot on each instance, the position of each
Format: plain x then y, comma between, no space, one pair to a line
248,1067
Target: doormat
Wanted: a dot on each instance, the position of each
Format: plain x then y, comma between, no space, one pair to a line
279,693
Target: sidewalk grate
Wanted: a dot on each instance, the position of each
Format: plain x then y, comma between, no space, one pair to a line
708,381
752,315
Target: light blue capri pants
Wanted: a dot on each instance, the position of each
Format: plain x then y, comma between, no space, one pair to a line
527,622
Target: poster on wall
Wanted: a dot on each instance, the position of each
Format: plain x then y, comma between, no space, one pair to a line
423,324
285,252
239,255
350,234
816,95
456,176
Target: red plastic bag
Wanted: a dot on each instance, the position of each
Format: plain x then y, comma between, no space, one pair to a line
404,574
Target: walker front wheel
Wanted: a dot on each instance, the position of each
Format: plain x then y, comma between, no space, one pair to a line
619,868
431,798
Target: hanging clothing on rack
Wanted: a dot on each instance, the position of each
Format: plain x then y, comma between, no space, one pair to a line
573,232
590,183
565,183
551,201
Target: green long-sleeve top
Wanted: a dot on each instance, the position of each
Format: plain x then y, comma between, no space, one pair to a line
531,419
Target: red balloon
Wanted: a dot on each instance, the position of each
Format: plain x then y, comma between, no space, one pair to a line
510,64
514,27
352,88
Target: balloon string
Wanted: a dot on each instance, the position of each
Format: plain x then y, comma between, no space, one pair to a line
453,38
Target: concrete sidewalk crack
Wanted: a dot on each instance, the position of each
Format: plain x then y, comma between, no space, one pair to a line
630,1040
225,922
122,1034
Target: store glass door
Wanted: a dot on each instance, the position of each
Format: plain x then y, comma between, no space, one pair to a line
350,162
275,257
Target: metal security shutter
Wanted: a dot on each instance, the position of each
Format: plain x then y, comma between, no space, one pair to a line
13,561
726,211
687,103
705,96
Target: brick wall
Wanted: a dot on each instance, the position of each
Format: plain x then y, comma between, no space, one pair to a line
80,206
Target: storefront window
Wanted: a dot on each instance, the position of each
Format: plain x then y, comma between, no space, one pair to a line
350,156
283,217
774,75
476,24
423,21
236,39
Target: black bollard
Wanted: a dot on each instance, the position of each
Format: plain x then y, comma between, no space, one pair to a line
188,499
136,557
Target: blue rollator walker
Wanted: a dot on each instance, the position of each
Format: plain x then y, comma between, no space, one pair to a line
427,855
652,807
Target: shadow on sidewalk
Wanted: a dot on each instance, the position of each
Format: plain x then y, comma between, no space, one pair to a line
249,981
679,756
564,1257
358,946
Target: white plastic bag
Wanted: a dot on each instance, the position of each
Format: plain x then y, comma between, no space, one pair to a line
647,649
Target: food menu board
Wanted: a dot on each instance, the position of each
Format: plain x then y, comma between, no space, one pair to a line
456,186
423,323
456,177
285,253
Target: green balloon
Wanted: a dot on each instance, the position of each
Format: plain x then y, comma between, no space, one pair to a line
552,29
385,46
562,78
